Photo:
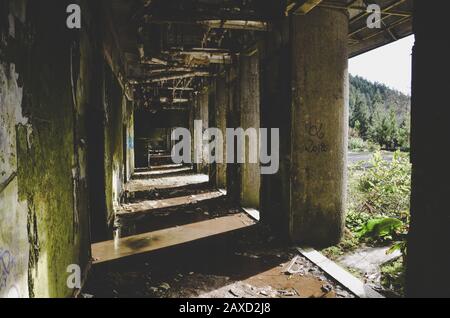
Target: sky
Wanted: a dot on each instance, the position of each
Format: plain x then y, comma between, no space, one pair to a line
390,65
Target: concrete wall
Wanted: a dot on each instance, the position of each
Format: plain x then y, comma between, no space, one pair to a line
114,103
59,124
43,214
129,139
14,247
427,259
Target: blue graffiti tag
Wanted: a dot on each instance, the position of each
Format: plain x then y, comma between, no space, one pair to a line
6,265
130,143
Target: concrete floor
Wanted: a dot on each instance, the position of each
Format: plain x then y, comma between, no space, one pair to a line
170,243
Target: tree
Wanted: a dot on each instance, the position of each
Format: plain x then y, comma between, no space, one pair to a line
384,129
379,114
404,133
360,119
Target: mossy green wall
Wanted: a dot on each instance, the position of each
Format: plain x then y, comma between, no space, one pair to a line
51,161
45,91
114,161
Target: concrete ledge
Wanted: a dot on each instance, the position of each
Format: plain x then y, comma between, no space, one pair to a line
339,274
253,213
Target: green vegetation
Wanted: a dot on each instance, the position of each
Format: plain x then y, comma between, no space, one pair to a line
360,145
378,116
393,276
378,211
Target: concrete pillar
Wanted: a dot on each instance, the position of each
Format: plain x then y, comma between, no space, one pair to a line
222,96
233,121
192,110
276,113
212,166
249,103
428,260
201,112
320,89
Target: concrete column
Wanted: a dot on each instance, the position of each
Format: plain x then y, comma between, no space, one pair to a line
249,103
276,113
233,121
201,113
212,167
428,260
192,110
320,89
222,96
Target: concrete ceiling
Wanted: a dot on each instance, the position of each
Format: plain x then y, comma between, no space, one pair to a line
171,46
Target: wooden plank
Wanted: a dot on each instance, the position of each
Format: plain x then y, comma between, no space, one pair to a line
157,240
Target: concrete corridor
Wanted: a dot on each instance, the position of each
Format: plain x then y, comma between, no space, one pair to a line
91,92
177,236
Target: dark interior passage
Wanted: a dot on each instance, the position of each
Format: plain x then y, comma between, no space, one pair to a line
86,173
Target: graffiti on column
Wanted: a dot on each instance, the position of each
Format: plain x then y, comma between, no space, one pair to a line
316,133
6,266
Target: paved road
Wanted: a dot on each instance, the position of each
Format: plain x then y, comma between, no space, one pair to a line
355,157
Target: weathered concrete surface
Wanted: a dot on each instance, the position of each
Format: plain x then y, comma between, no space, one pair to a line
250,118
233,121
129,140
151,256
46,152
151,206
367,260
148,242
201,112
51,98
166,182
14,248
320,89
114,103
222,96
428,242
276,113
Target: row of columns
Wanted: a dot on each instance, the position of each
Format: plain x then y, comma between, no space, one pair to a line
297,81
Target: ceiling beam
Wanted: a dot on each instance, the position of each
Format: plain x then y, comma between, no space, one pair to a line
302,6
169,77
236,25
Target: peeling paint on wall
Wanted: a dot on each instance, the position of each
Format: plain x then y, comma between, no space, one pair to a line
13,212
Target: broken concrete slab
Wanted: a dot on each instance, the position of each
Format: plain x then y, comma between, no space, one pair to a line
339,274
368,260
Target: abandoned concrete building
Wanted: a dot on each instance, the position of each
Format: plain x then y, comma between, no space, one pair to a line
86,176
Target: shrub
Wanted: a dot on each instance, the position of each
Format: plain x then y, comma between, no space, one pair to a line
385,187
380,228
357,144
